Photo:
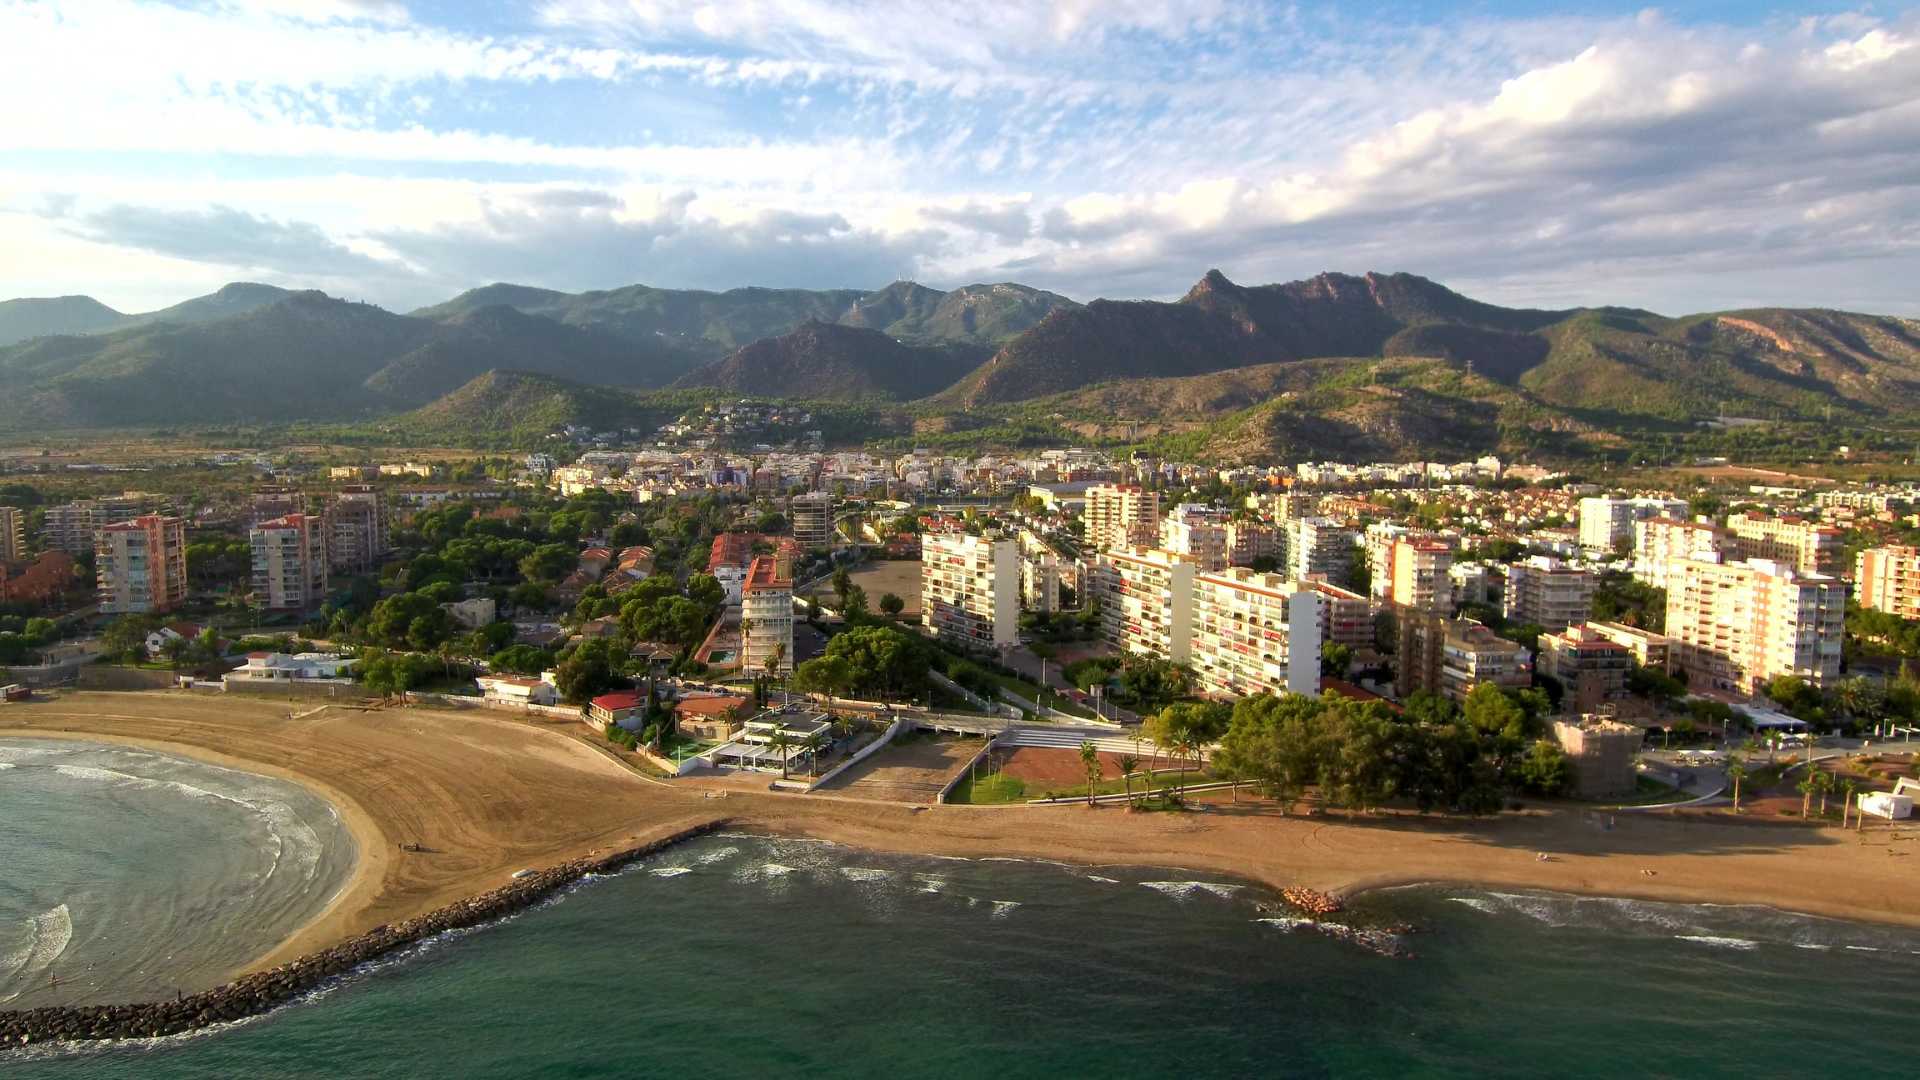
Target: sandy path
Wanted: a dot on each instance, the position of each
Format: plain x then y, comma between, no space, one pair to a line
488,796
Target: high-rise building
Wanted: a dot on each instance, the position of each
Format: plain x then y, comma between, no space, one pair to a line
812,516
1120,516
1649,650
1888,579
1317,545
970,589
1662,543
357,530
1250,540
1255,633
1346,617
71,527
1548,593
1591,668
1418,576
1796,542
1146,601
1606,521
1735,626
766,619
289,562
274,502
13,534
141,565
1197,532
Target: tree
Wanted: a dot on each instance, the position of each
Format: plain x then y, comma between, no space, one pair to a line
1736,773
1128,764
1335,659
781,741
891,605
812,744
1090,761
1546,769
126,637
1823,782
1806,788
831,676
1851,787
593,668
842,584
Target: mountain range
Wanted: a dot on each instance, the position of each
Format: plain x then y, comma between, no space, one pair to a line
1343,362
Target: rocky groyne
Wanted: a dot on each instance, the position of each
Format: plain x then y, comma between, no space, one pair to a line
251,995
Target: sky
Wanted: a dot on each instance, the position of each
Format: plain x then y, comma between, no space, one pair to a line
1718,156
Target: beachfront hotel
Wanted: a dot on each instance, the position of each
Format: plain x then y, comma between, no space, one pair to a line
970,589
766,619
1735,626
1255,633
141,565
289,562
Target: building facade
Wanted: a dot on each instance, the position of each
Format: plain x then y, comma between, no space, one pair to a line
812,516
141,565
766,619
1662,543
1146,602
1317,545
1888,579
1796,542
1648,649
1591,669
1548,593
1121,516
1197,532
1450,657
13,534
1255,633
1735,626
357,530
289,562
970,589
1606,521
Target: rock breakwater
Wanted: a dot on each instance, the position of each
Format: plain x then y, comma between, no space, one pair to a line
261,991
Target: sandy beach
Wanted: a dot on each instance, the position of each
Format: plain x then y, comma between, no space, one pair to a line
482,795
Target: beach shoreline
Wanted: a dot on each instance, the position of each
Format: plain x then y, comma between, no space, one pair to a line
485,796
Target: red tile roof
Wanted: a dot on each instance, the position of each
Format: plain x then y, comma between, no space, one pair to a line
619,700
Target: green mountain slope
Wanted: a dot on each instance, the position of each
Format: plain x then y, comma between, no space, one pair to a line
35,317
514,407
827,361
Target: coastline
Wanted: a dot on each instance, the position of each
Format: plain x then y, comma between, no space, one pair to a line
485,796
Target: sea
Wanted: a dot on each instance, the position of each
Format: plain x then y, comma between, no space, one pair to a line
749,956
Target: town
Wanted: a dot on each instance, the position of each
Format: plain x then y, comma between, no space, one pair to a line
1057,623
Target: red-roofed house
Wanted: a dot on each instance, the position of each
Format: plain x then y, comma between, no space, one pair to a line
617,707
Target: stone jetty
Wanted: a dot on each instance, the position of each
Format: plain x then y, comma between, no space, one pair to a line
261,991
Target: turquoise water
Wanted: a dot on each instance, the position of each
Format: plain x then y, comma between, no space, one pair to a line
737,956
129,875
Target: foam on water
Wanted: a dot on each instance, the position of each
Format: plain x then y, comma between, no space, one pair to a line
1183,889
669,871
864,873
1719,942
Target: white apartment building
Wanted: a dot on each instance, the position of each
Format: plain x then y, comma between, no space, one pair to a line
1198,533
289,562
13,534
1146,602
1417,575
141,565
970,589
1120,516
1605,520
1317,545
72,527
357,530
1661,544
812,518
1255,633
766,619
1734,626
1548,593
1888,579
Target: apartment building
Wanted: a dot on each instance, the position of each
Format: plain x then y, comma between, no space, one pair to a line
1648,649
267,504
1417,575
13,534
1737,625
1660,544
1146,602
1121,516
1548,593
357,530
1318,545
1198,533
1888,579
1589,666
970,589
1804,545
1346,617
71,527
766,619
1606,521
289,562
1250,540
812,517
141,565
1255,633
1039,581
1450,657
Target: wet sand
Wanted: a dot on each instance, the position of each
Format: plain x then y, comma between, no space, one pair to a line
486,794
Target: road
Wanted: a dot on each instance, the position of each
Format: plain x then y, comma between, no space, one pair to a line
1021,659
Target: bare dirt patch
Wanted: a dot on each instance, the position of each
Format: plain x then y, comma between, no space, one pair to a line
914,772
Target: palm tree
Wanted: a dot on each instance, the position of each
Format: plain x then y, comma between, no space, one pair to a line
1851,786
1090,759
1128,763
780,741
843,725
812,744
1824,781
1185,747
1806,788
1736,772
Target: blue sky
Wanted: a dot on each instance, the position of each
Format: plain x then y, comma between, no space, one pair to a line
1718,156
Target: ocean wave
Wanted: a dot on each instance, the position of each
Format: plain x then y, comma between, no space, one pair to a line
1744,944
669,871
1474,902
1183,889
1286,923
1101,880
929,884
48,935
865,873
711,857
1002,908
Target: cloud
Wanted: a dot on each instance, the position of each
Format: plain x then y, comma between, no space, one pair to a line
228,237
